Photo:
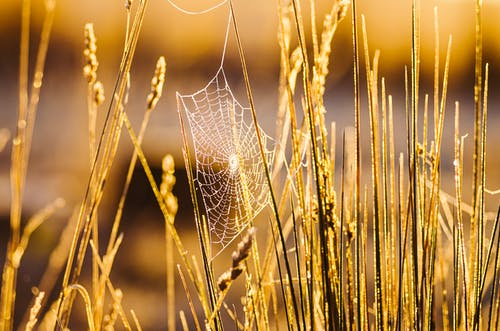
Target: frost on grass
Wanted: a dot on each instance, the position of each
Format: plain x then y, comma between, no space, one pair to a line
230,173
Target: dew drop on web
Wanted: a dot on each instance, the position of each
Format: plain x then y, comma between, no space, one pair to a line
234,164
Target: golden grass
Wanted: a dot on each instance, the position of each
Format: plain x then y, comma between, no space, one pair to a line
341,252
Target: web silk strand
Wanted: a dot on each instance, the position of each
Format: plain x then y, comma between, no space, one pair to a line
205,11
201,12
229,172
226,37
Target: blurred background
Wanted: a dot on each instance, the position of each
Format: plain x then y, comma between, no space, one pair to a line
192,46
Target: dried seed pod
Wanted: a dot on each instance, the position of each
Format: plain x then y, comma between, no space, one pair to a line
238,256
157,83
98,93
91,63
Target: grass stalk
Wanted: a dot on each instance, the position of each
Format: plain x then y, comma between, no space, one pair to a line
21,147
201,226
357,187
414,175
106,147
167,216
480,210
496,266
266,166
478,80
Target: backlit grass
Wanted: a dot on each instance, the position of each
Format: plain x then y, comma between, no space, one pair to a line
335,249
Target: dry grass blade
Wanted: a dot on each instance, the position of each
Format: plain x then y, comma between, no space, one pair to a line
105,152
105,268
31,226
156,87
136,320
190,301
86,298
167,216
184,323
21,146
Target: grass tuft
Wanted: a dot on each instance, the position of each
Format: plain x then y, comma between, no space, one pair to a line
390,250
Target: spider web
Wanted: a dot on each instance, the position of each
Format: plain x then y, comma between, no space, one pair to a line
230,173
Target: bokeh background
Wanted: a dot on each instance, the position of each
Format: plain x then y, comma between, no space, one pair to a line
192,45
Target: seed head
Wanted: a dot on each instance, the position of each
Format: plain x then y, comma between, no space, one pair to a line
342,9
243,248
168,164
157,83
98,93
168,178
167,184
239,256
35,309
91,63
